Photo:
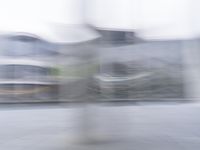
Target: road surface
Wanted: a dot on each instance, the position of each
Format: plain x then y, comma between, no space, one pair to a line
150,127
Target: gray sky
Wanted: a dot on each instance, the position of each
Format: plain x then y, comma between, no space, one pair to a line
154,19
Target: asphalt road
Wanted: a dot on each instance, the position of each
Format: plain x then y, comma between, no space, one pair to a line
159,127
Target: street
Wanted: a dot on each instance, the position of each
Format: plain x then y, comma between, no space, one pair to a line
142,127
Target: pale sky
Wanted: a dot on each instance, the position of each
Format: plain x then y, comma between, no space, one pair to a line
153,19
